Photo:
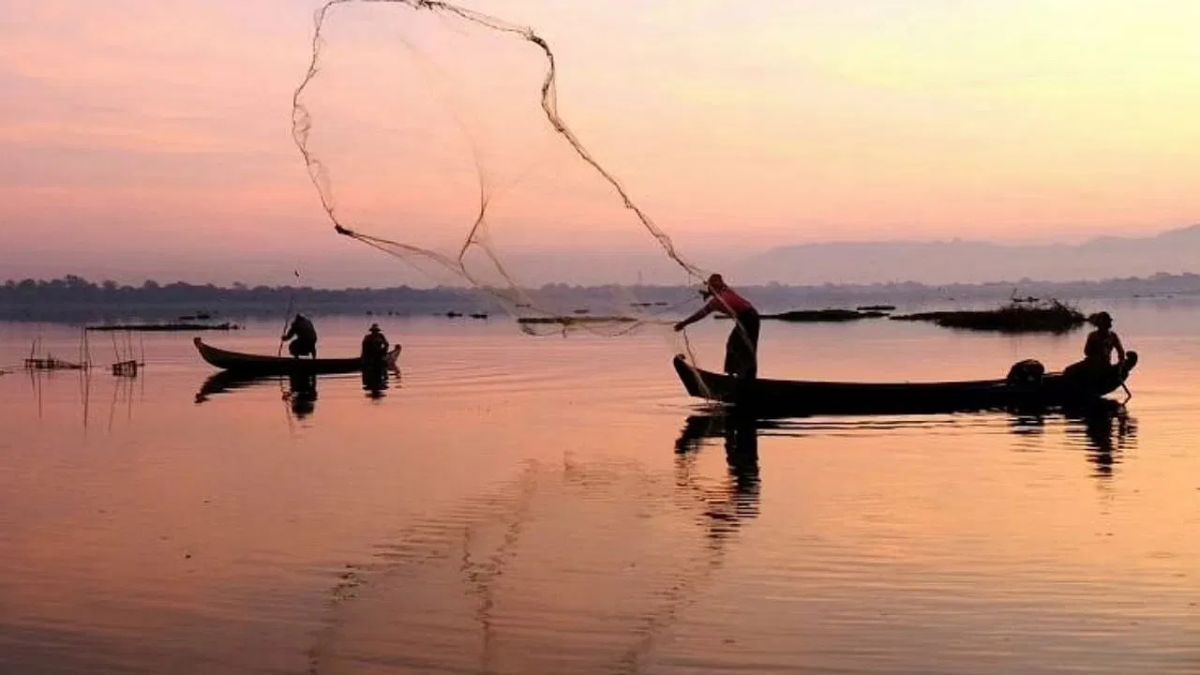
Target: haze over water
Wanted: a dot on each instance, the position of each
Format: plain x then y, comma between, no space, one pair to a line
515,504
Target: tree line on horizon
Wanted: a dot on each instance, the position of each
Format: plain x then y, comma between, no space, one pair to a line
73,295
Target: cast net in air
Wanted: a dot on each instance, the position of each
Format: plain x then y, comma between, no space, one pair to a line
432,133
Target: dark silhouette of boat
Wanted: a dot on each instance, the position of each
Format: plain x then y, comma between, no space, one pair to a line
254,364
809,397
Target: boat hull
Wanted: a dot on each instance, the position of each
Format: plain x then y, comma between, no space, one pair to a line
253,364
806,397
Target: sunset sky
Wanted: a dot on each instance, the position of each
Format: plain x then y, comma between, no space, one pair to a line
153,138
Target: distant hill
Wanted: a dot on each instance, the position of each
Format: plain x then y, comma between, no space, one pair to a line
942,262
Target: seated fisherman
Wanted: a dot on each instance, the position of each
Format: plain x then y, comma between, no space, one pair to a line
1097,362
374,346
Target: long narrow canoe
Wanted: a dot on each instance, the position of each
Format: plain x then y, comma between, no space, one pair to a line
808,397
254,364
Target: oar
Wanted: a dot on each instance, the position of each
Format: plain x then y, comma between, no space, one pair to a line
1125,375
287,316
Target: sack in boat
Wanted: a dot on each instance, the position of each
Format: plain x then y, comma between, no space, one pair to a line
1026,373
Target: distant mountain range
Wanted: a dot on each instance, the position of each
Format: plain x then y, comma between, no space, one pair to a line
942,262
933,263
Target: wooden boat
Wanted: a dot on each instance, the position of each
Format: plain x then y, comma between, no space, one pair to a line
253,364
806,397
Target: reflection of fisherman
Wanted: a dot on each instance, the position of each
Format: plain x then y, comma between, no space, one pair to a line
303,394
306,337
741,350
374,347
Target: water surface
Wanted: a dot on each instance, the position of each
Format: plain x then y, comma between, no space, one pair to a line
513,504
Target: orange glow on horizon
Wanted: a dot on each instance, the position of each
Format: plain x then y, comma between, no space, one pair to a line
784,124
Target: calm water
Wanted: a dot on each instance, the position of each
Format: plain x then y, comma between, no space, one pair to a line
515,504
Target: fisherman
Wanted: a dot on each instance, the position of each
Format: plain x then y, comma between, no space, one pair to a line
1097,363
1102,342
305,335
374,346
741,349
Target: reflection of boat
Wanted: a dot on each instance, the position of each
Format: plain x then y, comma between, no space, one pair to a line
228,380
301,387
806,397
284,365
301,391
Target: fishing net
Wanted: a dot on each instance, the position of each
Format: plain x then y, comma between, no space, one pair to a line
433,133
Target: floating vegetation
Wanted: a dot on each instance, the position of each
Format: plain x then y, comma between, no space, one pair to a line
164,327
575,320
820,315
1016,317
876,308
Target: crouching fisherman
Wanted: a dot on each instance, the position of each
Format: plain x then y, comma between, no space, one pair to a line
374,347
305,334
741,349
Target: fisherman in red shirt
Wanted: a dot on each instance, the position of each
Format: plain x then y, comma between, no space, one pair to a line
741,350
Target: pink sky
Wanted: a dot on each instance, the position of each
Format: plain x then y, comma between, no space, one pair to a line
153,139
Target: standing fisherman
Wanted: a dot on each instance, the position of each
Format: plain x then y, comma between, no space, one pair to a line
741,350
306,337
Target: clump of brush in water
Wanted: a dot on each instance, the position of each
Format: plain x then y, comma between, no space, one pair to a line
1016,317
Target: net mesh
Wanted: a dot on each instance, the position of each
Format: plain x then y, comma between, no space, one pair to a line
433,133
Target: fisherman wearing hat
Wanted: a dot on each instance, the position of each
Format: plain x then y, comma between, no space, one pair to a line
374,346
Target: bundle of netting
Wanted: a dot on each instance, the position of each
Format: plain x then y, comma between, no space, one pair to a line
433,134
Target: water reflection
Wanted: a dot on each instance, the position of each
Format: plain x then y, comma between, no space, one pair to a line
1106,433
302,394
226,381
737,500
125,390
1104,429
300,391
375,382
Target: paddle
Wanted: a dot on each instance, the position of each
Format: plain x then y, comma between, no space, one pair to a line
1128,362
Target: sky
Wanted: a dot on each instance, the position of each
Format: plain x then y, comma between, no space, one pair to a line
153,139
